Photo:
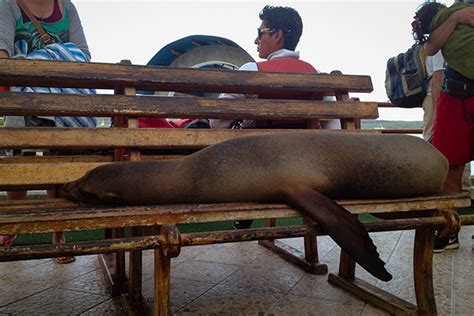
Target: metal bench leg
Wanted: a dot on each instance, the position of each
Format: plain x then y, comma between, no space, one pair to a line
309,261
134,303
423,271
135,277
347,266
162,282
120,275
423,260
169,248
113,266
346,280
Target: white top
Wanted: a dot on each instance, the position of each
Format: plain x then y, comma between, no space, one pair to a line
434,63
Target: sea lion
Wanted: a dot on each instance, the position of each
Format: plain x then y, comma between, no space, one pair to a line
306,169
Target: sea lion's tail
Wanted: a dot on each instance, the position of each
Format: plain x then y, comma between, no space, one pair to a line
343,227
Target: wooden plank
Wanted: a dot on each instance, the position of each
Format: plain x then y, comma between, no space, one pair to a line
421,203
347,266
52,209
24,208
374,295
115,284
80,248
402,131
310,245
386,105
79,158
294,256
47,218
142,138
162,285
36,210
12,103
58,159
193,239
423,270
109,76
34,175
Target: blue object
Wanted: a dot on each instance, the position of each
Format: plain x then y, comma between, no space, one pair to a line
165,56
170,52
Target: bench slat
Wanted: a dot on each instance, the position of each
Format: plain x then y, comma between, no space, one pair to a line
108,76
153,106
44,175
78,158
18,138
46,217
54,159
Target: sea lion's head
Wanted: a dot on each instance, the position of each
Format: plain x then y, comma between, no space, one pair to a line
95,187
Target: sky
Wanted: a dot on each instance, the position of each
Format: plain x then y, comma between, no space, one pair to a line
355,37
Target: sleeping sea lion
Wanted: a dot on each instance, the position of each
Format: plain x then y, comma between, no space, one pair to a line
306,169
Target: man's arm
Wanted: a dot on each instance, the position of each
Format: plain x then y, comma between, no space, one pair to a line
76,31
7,28
441,34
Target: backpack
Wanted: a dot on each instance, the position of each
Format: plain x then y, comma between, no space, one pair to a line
406,78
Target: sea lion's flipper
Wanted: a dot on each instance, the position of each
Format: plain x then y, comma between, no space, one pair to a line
343,227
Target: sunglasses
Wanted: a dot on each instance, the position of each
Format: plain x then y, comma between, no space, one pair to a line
264,31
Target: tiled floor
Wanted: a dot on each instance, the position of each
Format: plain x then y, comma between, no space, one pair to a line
239,279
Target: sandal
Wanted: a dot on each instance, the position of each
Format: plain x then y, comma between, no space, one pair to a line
64,260
7,240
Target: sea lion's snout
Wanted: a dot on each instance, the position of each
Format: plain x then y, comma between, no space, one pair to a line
72,191
88,191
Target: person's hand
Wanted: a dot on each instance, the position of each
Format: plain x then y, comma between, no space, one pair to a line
465,16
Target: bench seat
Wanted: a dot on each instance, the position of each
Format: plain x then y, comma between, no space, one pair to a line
43,215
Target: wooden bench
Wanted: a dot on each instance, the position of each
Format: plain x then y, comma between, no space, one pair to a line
40,216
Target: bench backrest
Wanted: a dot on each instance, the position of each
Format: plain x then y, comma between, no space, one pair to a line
125,106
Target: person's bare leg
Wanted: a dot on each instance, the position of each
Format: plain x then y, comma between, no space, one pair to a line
7,240
466,178
16,195
453,183
58,237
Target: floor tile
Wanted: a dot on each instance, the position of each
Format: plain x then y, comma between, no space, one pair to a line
325,244
111,307
183,291
229,300
13,267
204,271
187,253
13,291
279,277
370,310
92,282
51,273
241,254
317,286
296,305
55,301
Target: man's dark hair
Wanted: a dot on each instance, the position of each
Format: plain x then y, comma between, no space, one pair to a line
286,19
423,17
